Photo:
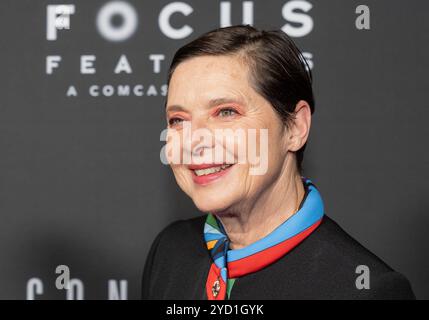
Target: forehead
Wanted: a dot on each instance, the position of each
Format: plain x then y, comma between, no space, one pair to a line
208,77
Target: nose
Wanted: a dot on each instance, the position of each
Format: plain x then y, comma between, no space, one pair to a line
200,138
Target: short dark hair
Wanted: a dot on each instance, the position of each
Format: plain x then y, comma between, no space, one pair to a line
277,68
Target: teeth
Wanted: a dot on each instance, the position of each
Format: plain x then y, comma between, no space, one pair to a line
204,172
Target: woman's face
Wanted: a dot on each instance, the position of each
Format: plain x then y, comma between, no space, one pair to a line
206,95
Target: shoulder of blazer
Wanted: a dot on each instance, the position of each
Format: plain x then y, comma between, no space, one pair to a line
184,232
342,254
176,238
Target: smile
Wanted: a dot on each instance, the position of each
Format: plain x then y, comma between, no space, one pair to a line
206,173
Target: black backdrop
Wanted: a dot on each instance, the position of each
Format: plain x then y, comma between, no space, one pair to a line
81,181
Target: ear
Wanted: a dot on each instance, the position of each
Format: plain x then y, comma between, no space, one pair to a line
299,127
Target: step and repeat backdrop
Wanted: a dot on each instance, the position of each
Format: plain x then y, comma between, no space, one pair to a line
83,191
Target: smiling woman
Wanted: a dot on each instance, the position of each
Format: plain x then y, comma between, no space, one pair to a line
265,235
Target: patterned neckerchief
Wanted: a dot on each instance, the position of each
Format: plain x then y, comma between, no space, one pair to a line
228,265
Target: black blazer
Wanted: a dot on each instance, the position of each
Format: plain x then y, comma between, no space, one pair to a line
323,266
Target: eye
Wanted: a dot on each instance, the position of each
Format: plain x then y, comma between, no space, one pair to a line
174,121
227,112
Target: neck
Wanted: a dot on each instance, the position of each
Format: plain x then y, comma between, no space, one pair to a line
256,219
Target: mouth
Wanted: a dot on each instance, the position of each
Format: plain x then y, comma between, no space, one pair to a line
207,173
210,170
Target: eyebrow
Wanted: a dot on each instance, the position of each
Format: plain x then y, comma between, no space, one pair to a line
211,103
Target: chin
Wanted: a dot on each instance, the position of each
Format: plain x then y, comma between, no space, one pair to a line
212,201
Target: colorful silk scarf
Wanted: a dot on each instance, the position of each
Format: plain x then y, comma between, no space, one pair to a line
228,265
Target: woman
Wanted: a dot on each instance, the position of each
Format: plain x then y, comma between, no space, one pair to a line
264,234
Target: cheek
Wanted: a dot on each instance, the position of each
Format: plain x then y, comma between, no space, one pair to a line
181,175
248,147
277,138
174,149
